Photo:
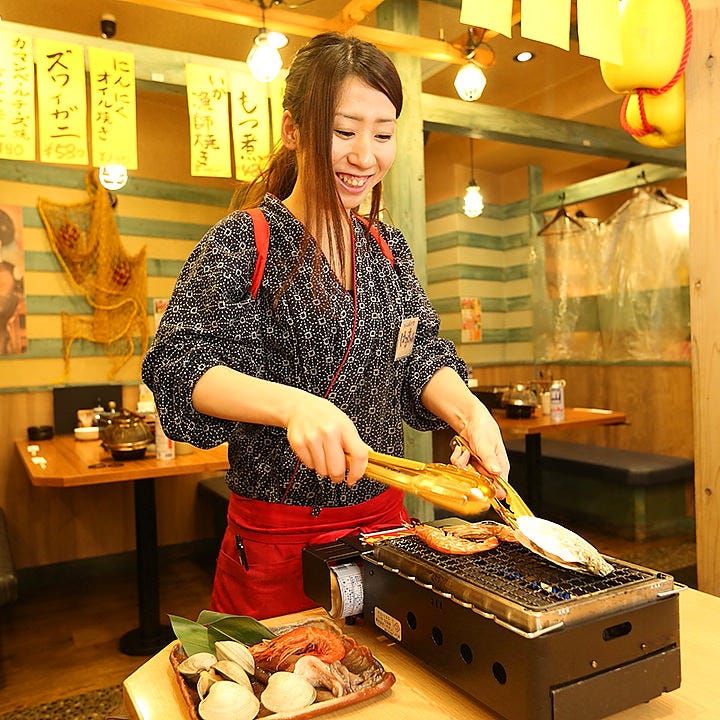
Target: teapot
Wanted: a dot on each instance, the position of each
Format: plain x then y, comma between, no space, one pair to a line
124,433
519,401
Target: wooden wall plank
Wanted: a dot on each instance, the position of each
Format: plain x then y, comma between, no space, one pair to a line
703,148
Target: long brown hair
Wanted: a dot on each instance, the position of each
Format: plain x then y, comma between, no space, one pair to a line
311,95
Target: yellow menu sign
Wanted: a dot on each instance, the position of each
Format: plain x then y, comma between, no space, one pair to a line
208,105
17,97
250,126
62,103
113,116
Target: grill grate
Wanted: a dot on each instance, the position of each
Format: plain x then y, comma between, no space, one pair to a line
509,571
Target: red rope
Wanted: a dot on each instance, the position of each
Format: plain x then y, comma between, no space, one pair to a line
641,92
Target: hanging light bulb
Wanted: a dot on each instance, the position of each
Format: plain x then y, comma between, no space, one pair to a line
113,177
264,59
473,203
470,82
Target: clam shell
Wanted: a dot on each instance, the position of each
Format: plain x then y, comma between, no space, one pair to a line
237,652
228,701
232,671
286,692
206,679
193,665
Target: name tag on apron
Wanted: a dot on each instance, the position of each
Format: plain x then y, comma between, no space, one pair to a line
406,337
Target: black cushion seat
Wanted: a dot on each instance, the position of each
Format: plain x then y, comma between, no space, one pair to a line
627,467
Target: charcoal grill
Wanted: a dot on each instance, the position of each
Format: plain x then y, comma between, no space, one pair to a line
530,640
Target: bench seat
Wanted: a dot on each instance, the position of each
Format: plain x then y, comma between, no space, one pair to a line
635,495
8,578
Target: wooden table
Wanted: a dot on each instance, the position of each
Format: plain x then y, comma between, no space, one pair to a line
534,427
151,692
73,463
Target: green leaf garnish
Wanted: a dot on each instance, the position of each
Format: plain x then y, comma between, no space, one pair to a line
244,629
210,627
192,635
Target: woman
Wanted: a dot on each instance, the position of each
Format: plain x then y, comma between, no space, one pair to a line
306,368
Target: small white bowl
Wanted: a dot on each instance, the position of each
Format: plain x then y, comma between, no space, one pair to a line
87,433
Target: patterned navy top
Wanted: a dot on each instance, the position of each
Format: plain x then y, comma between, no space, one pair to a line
212,320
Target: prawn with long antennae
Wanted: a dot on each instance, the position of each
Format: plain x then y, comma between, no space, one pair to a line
444,542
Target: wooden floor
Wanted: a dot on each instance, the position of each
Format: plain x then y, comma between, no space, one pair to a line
61,641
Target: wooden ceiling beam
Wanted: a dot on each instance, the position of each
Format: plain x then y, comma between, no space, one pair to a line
513,126
295,23
355,12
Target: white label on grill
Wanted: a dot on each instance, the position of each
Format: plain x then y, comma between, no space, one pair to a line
388,624
349,580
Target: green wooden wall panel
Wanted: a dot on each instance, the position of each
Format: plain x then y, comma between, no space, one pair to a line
49,305
147,227
39,261
53,348
161,228
43,174
465,272
488,304
494,336
164,268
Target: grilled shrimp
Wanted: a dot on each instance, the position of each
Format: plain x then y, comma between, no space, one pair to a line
281,653
482,531
439,539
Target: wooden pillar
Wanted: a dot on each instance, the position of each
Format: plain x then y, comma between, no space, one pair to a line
404,189
703,181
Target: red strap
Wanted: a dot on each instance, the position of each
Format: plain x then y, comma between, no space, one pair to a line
384,247
261,230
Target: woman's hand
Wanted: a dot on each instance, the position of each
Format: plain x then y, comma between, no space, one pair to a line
322,436
482,436
326,440
447,395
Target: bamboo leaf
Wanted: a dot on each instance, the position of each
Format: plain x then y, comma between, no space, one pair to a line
210,616
242,628
192,635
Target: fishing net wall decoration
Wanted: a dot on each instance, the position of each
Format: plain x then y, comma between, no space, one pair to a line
86,241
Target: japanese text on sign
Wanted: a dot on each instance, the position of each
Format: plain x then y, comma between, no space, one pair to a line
113,118
208,105
62,103
17,98
250,125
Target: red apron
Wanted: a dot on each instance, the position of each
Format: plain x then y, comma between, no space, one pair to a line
272,536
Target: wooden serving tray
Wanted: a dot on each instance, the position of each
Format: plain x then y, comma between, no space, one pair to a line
324,704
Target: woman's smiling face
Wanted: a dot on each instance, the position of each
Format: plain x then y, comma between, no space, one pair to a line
363,143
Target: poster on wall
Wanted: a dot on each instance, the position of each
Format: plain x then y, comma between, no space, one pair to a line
471,319
159,308
13,336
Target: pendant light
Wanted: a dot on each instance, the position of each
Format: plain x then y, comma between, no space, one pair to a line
264,59
470,80
113,177
473,203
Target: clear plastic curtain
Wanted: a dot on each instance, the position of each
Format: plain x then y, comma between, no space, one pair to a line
614,291
644,308
566,269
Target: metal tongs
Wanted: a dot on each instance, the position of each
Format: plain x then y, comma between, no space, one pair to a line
461,491
554,542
